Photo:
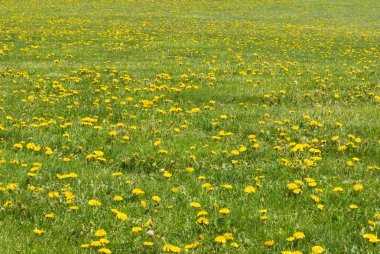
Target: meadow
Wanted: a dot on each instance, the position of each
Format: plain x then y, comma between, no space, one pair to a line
195,126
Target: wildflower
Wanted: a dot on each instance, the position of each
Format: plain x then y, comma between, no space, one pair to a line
317,249
299,235
53,194
224,210
122,216
94,202
39,231
353,206
195,204
234,245
249,189
203,221
220,239
156,199
320,207
171,248
192,246
112,133
74,208
269,243
138,191
136,229
371,238
49,215
117,198
104,240
202,213
105,251
100,233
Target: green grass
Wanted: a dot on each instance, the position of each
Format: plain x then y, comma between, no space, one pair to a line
182,72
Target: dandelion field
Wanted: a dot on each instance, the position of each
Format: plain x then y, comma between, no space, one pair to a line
189,126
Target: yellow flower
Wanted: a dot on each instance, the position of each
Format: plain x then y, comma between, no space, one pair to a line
207,186
156,199
371,238
136,229
224,210
320,207
73,208
19,146
220,239
53,194
171,248
104,240
358,187
122,216
138,191
148,243
292,186
39,231
49,215
235,152
299,235
297,191
117,198
100,233
94,202
105,251
234,245
338,189
192,246
227,186
317,249
112,133
353,206
202,221
195,204
202,213
249,189
229,236
269,243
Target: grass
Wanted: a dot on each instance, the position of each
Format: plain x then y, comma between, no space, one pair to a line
267,108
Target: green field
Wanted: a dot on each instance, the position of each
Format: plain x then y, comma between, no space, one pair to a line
190,126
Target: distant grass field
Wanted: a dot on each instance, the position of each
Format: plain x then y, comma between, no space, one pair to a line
190,126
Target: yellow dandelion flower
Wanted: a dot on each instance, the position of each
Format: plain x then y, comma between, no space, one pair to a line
94,202
224,210
299,235
136,229
117,198
100,233
122,216
249,189
138,191
39,231
156,199
317,249
358,187
220,239
105,251
195,204
269,243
